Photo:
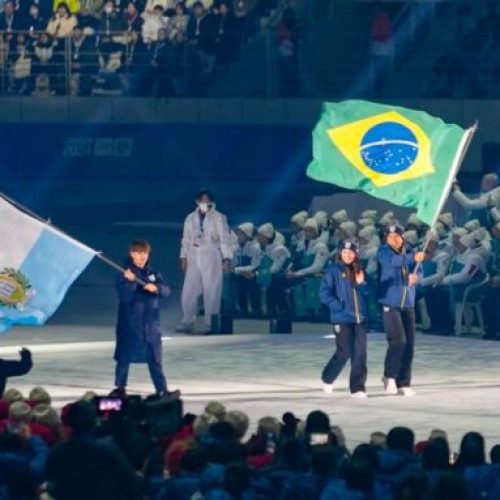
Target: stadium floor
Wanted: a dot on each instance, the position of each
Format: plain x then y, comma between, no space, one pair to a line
456,379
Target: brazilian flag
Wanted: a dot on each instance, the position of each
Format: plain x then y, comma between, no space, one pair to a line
400,155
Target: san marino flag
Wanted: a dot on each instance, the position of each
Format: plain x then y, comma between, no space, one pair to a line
38,264
400,155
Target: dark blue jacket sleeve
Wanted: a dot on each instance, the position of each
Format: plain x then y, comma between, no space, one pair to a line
327,292
126,289
163,289
39,454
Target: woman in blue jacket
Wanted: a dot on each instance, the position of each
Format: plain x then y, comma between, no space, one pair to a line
342,291
397,277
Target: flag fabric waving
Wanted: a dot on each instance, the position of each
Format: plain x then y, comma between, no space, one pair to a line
38,264
400,155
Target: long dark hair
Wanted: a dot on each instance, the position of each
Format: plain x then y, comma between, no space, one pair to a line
351,269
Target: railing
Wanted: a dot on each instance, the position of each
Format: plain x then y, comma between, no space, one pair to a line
116,64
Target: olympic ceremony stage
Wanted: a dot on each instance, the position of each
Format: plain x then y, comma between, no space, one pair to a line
456,379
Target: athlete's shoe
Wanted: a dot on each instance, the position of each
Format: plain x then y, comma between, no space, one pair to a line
359,395
184,328
328,388
406,391
390,385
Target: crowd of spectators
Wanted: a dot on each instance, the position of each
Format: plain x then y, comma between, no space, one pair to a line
274,277
470,67
136,47
83,452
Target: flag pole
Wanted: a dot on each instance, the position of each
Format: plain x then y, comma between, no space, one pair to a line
455,167
48,222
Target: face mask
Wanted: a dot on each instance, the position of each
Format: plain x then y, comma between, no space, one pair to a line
203,207
108,10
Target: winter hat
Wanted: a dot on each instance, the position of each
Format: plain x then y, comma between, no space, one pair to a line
39,395
364,222
311,222
89,396
349,227
45,414
411,237
387,218
472,225
481,234
247,228
431,235
367,232
340,216
20,412
460,231
467,240
266,230
218,410
394,229
12,395
414,220
321,218
446,219
299,218
369,214
348,245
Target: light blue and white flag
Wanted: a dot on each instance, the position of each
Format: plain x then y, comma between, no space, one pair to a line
38,264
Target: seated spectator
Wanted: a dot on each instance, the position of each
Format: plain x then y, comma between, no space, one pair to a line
35,21
88,17
10,368
62,23
83,468
240,423
178,22
152,24
262,445
133,20
48,62
216,409
84,63
10,20
47,424
38,395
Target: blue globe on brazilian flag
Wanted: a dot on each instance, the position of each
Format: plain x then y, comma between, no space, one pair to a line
400,155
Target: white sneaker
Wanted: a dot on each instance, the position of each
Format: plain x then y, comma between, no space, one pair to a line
184,328
328,388
390,385
359,395
406,391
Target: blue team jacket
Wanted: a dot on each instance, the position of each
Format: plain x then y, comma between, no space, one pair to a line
393,271
345,300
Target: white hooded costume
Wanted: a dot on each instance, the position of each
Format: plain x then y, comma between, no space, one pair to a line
314,250
206,242
250,251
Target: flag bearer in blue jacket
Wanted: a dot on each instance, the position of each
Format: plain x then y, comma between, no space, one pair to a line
396,294
138,333
343,291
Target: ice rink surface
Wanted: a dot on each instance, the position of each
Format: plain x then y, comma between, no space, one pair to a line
456,379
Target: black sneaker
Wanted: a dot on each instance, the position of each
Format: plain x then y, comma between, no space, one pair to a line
118,392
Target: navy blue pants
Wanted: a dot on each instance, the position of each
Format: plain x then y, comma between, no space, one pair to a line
155,371
351,345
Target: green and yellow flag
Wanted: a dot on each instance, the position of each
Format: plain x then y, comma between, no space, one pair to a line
400,155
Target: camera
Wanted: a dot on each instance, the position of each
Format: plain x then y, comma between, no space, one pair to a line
107,404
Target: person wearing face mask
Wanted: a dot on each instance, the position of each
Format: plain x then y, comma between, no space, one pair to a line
206,252
343,291
398,275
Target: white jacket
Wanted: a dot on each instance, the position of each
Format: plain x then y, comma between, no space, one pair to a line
210,238
442,260
473,263
317,248
250,249
369,252
482,201
279,254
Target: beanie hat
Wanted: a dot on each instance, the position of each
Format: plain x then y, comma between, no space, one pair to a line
467,240
312,223
266,230
299,218
340,216
321,218
394,229
349,227
39,395
365,222
349,245
460,231
367,232
247,228
387,218
446,219
12,395
432,235
369,214
411,237
20,411
414,220
472,225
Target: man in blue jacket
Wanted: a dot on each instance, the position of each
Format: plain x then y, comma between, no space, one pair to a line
138,333
397,276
